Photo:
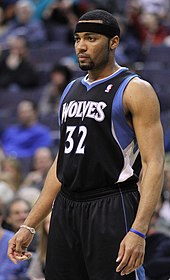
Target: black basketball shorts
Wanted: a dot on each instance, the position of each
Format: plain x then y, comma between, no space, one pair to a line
85,235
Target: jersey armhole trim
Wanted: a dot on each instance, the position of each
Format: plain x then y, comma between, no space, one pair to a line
65,92
120,93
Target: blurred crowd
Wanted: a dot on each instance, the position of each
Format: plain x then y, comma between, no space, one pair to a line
37,61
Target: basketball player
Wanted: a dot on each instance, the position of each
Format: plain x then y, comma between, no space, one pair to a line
99,219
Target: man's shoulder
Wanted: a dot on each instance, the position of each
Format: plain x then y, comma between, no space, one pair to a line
139,88
139,95
138,81
41,128
12,129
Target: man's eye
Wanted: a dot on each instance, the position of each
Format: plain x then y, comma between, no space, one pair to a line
91,39
76,40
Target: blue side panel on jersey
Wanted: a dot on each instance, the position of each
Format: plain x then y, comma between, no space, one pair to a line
63,96
123,131
135,147
141,273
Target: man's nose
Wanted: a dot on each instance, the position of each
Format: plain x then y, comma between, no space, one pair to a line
81,45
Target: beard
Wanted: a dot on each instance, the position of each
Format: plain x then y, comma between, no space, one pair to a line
97,63
87,66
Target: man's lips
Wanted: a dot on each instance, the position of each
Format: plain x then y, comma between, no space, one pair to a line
83,56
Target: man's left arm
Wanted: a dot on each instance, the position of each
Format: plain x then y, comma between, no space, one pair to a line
141,101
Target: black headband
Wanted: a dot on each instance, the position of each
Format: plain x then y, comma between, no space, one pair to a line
99,28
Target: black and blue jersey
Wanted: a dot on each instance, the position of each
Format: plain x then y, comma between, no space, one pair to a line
98,148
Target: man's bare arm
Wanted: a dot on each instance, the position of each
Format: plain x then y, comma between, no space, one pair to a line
146,121
141,101
44,203
21,240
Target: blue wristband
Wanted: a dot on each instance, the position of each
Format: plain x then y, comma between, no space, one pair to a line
138,232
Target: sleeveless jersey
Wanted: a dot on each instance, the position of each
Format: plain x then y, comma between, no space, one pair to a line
97,146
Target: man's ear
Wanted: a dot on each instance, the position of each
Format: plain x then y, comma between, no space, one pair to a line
114,42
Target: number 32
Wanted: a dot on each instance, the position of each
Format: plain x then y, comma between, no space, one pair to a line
70,141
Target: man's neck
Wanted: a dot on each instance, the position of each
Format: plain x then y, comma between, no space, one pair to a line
29,124
99,75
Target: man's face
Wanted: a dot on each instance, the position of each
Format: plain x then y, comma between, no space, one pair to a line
43,160
18,212
92,50
25,112
24,13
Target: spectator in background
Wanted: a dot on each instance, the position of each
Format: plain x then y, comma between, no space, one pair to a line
11,173
16,212
9,9
24,24
49,101
22,140
29,193
129,49
6,193
155,30
40,7
2,23
8,270
15,67
146,25
157,7
165,210
9,179
62,12
2,157
42,162
37,266
157,255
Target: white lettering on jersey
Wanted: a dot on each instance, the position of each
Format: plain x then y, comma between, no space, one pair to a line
83,109
66,108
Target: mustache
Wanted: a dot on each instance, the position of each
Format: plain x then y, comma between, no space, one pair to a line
82,54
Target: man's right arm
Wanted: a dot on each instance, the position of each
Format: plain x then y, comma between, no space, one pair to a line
42,207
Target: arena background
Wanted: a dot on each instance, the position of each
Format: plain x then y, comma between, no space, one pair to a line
46,26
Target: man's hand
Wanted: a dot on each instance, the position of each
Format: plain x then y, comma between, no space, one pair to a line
18,244
131,253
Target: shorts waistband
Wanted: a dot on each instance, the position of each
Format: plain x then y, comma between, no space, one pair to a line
91,195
